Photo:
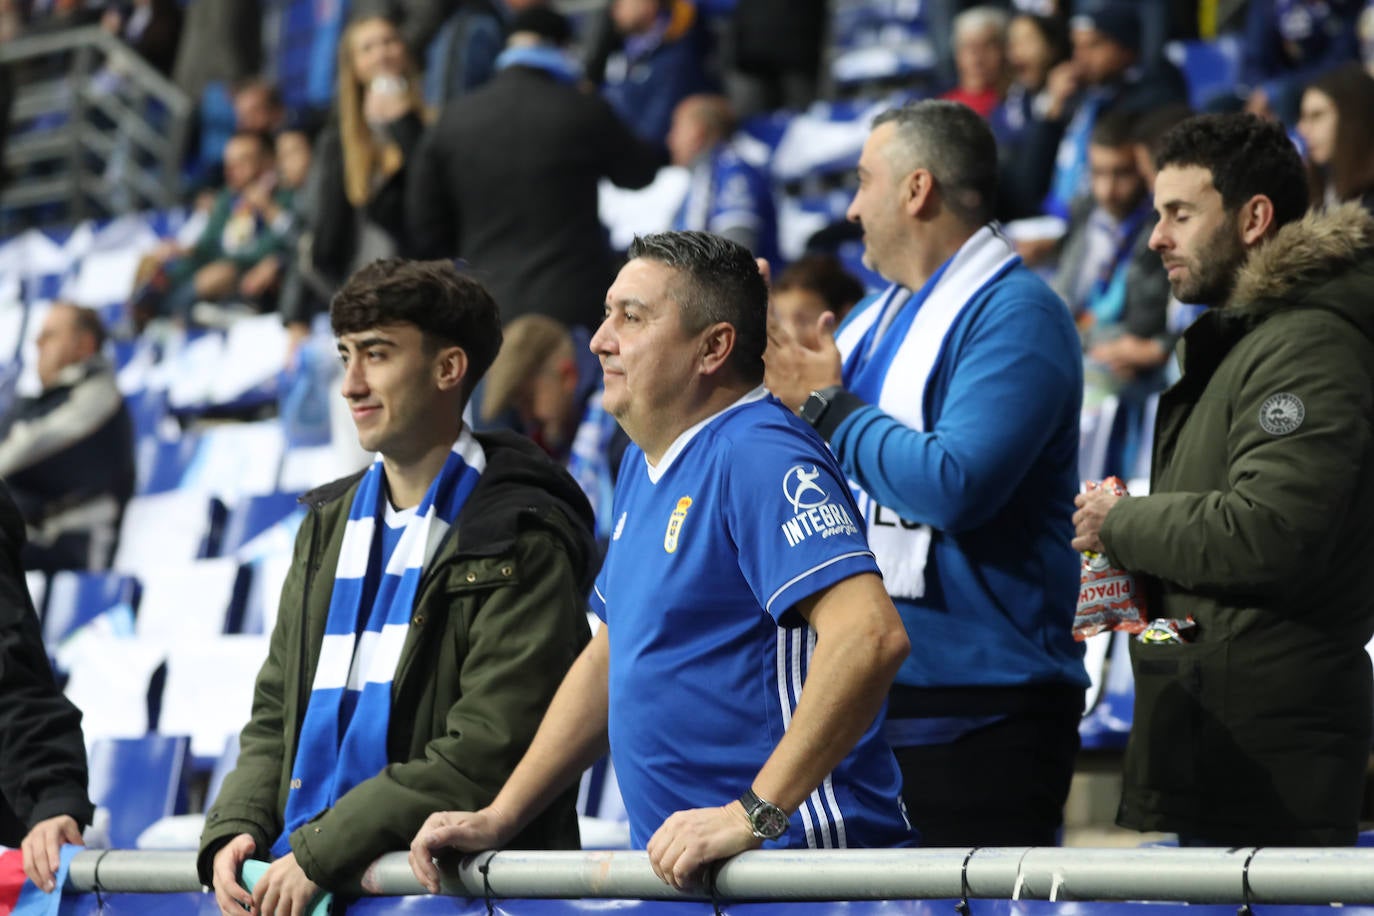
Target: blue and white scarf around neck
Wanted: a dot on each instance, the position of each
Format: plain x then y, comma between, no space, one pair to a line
344,736
890,352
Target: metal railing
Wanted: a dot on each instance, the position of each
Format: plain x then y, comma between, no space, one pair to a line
1276,876
94,129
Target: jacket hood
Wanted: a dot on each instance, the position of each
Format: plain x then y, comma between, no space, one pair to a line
1320,259
522,486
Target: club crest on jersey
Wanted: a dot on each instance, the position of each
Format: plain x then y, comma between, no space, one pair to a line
812,510
675,524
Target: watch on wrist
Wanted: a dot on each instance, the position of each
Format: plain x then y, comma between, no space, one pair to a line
814,407
766,819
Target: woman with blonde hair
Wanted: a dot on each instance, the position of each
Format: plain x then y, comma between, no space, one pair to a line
362,155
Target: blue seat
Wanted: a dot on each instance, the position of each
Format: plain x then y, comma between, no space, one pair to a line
224,765
77,598
138,780
878,42
1211,68
146,409
167,462
253,515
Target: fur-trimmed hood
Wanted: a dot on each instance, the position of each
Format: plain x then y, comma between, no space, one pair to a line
1324,260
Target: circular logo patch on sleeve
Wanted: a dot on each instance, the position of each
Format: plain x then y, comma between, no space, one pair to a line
1281,413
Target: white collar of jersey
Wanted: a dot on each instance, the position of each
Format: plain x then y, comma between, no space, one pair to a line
680,443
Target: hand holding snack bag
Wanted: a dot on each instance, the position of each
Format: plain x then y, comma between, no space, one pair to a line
1108,598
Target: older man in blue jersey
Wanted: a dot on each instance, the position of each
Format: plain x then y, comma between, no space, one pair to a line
952,402
748,642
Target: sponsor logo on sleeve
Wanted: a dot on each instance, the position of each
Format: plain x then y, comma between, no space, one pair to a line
675,521
813,513
1281,413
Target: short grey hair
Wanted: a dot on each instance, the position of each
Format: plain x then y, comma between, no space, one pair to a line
718,280
949,140
976,18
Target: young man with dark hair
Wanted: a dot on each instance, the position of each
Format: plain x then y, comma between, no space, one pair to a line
434,602
1112,282
740,593
1252,722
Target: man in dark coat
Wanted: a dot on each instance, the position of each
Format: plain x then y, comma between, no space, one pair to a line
1252,724
507,180
43,800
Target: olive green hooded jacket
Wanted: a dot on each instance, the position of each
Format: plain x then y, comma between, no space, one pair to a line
499,618
1260,526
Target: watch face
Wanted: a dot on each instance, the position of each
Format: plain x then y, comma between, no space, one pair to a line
769,821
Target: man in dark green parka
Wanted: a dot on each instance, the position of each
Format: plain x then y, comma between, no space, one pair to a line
1255,727
411,664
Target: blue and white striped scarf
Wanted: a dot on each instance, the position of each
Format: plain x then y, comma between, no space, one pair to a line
343,738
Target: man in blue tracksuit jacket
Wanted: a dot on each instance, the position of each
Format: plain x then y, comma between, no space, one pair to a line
952,402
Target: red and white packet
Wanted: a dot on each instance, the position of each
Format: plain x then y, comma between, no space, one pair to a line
1108,598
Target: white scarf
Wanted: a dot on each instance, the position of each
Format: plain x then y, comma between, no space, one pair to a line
902,547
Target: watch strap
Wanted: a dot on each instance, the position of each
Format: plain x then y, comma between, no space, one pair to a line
839,404
760,812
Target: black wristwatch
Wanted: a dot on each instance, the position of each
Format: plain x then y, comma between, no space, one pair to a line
766,819
815,406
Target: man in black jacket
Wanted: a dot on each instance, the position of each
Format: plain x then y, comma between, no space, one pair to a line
507,179
43,800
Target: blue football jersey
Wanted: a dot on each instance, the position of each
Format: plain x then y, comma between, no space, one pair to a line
746,514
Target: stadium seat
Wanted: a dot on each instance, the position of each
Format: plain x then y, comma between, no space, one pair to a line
602,820
147,407
1210,68
77,598
222,768
37,584
307,467
878,42
1109,723
1095,650
113,681
236,460
162,529
186,604
264,591
209,691
162,463
137,780
253,515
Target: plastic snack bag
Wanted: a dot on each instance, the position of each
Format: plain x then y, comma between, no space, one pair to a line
1108,598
